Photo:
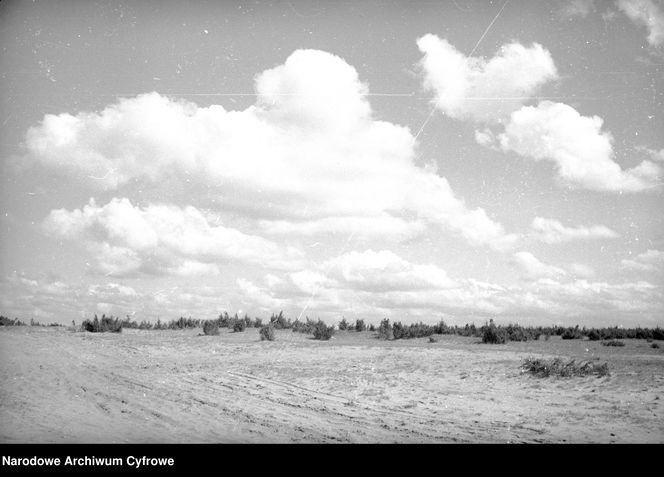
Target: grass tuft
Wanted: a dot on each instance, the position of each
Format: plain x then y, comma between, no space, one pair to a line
613,343
543,368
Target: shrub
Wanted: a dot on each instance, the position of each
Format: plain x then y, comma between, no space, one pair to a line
211,327
372,327
655,345
266,333
258,323
343,324
4,321
385,330
432,339
543,368
360,325
279,322
239,326
493,335
107,323
322,331
594,335
399,331
572,334
613,343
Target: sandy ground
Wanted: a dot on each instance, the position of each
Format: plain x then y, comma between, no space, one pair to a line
60,386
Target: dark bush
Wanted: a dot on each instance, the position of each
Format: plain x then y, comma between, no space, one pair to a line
266,333
543,368
360,325
106,324
4,321
572,334
399,331
594,335
211,327
655,345
613,343
258,323
239,326
279,322
343,324
385,331
322,331
493,335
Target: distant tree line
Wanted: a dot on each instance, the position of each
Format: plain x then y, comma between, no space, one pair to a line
489,332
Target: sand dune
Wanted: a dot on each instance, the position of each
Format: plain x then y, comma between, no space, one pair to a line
177,386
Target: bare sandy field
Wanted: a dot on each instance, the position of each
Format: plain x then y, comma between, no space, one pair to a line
60,386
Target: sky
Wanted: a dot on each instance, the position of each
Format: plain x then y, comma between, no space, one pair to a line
459,160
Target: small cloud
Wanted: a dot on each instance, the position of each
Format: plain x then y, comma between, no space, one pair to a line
532,269
649,261
479,89
552,231
648,14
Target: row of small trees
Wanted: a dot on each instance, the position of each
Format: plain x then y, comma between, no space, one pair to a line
490,332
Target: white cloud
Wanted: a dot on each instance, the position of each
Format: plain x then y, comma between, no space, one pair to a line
552,231
532,269
578,8
162,239
649,261
384,271
582,153
648,14
581,271
470,87
257,298
306,157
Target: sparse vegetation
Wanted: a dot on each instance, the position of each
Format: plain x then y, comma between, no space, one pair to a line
267,333
106,324
613,343
543,368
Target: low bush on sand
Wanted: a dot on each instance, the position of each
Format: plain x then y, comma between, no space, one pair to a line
211,327
385,331
543,368
107,323
613,343
239,326
4,321
655,345
493,335
572,334
266,333
322,331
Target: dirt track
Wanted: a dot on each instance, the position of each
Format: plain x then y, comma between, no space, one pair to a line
177,386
